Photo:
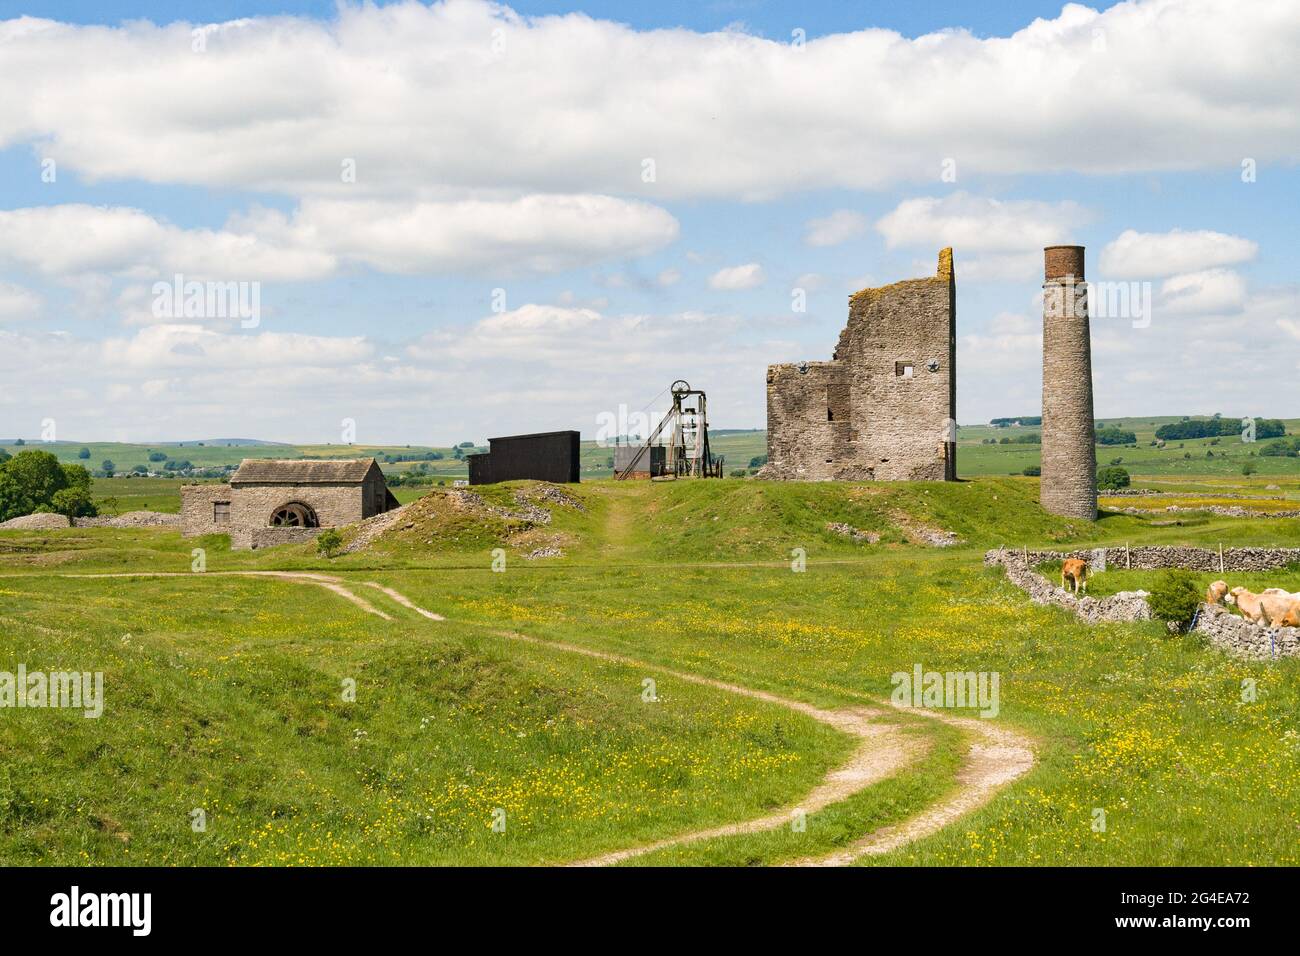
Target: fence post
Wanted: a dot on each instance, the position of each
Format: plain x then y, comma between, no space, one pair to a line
1128,558
1220,557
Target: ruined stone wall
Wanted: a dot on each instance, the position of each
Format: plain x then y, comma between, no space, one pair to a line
858,416
1068,485
270,537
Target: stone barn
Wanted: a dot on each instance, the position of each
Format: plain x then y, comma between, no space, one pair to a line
885,406
271,502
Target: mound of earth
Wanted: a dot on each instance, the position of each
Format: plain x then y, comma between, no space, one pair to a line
461,516
37,522
131,519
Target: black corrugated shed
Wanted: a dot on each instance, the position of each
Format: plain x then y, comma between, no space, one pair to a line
545,456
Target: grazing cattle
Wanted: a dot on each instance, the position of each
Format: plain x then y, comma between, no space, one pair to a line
1248,603
1283,607
1270,607
1216,592
1292,616
1076,571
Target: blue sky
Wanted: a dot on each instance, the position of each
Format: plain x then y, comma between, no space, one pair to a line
500,261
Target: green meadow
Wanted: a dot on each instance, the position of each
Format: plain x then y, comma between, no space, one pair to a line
226,694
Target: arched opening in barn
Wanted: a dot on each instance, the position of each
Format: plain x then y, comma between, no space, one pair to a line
294,515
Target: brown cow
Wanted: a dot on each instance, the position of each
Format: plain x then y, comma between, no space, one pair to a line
1076,570
1270,607
1216,592
1292,616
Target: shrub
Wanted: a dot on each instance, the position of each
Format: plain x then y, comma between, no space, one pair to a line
1175,596
328,542
758,461
1112,478
738,473
1282,448
1033,471
1249,468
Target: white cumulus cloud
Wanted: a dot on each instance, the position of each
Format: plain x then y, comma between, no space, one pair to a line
422,100
840,226
737,278
1139,255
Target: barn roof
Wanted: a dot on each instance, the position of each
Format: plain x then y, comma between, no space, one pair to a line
302,472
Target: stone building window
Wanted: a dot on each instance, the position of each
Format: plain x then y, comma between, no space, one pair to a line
903,369
221,512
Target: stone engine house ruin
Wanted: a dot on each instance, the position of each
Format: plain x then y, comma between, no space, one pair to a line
278,502
885,406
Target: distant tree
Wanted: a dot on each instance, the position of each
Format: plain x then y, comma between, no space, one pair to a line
4,455
758,461
1032,471
74,503
108,467
1281,448
84,453
33,481
1115,436
466,444
1269,428
157,456
20,441
141,469
1112,479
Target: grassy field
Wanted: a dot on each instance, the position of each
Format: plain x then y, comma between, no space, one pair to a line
223,693
1177,460
1180,466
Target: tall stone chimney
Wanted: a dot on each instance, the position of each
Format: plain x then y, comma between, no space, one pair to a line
1069,471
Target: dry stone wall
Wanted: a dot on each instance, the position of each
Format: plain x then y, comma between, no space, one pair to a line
1126,606
1241,638
1221,627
